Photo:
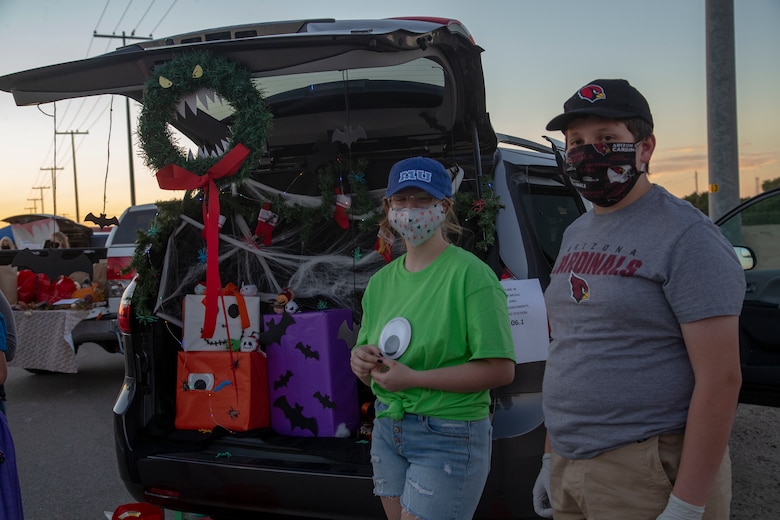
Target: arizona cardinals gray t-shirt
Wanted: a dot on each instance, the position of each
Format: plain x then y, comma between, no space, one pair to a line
618,370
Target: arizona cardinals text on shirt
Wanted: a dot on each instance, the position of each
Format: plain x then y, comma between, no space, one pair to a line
599,263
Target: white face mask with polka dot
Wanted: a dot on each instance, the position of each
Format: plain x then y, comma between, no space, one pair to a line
417,225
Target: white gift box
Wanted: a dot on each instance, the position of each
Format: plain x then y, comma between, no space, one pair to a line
194,312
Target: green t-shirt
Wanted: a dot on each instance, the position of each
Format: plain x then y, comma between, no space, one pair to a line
457,310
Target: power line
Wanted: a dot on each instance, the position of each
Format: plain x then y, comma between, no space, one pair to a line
75,180
122,17
143,16
127,109
163,17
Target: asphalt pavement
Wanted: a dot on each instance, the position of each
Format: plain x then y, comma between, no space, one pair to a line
63,432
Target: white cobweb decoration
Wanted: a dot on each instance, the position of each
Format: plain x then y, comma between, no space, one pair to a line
325,271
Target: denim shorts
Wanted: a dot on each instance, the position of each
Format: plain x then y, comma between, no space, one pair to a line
438,467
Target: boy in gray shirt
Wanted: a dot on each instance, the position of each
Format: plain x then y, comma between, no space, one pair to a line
643,374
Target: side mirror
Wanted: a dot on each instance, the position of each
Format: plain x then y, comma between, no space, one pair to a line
746,256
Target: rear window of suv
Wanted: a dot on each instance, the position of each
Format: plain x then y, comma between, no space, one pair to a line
126,232
418,83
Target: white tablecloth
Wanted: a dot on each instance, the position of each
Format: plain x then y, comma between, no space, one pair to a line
43,340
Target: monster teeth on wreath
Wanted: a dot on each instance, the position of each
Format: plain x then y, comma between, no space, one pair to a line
218,151
205,96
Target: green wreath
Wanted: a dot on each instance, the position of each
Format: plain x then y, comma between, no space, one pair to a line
184,76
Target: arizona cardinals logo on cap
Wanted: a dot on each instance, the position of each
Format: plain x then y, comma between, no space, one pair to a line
579,288
592,93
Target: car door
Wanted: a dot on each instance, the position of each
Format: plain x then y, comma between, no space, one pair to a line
754,229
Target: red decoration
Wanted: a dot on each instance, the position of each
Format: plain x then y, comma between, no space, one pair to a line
384,247
478,205
266,222
174,177
343,203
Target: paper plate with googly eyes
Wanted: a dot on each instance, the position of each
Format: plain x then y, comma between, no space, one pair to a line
395,338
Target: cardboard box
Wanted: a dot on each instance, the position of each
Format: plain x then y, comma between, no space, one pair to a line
227,389
312,390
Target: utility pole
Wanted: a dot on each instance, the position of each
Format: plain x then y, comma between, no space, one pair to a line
35,205
32,210
52,169
127,109
723,153
42,188
75,181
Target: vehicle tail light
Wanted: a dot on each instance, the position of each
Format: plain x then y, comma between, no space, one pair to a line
124,314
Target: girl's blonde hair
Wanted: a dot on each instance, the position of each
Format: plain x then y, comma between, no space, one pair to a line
62,238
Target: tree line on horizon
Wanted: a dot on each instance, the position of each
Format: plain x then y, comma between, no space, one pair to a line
702,200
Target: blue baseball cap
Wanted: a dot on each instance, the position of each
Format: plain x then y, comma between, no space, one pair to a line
419,172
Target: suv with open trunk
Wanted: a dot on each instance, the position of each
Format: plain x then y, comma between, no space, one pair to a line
344,100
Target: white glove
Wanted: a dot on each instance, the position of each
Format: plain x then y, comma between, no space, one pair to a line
677,509
542,504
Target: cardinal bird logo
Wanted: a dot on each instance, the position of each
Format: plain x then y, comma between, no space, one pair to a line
579,288
592,93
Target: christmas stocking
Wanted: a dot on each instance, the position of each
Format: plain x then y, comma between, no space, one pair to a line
384,246
266,222
343,203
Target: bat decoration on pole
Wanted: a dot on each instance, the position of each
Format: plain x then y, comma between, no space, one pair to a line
102,220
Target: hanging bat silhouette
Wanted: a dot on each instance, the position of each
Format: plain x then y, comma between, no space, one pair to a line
324,400
307,351
101,221
349,135
283,380
275,331
295,415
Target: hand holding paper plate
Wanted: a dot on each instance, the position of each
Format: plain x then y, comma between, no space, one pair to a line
395,338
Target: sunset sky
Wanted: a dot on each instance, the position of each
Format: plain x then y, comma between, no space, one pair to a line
536,55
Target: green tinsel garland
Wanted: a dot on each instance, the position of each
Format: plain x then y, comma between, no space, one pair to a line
186,75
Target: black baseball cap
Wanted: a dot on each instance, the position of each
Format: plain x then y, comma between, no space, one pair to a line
607,98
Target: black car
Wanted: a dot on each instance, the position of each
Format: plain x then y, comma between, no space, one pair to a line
754,229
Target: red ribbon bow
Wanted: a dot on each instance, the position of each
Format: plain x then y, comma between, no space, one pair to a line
173,177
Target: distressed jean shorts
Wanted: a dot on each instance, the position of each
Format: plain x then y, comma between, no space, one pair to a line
438,467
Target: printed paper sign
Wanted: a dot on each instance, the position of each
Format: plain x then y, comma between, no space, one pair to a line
528,319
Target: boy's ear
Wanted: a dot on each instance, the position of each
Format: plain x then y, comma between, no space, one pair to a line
648,147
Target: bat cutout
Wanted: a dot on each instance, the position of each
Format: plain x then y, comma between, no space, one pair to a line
101,221
324,400
348,334
283,380
295,415
233,413
349,135
275,331
307,351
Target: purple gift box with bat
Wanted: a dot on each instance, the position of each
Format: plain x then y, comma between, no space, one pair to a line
312,390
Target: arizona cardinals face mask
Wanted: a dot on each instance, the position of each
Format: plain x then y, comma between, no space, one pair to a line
603,173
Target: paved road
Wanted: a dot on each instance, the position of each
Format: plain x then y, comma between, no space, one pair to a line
63,430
